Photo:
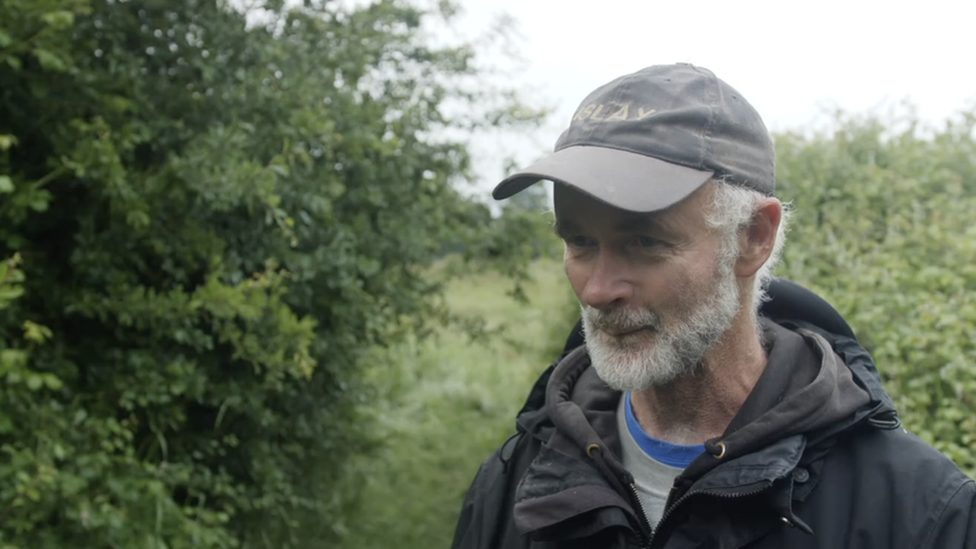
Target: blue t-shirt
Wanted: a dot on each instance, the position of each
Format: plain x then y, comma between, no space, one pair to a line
675,455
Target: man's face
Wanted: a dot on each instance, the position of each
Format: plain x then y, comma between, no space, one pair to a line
654,294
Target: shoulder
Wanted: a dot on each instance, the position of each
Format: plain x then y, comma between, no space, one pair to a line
893,482
901,457
486,519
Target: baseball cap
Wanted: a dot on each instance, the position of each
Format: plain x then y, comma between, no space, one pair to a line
649,139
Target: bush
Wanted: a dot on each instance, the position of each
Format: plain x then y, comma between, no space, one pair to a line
884,230
209,218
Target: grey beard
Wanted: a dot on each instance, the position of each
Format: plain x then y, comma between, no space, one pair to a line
677,351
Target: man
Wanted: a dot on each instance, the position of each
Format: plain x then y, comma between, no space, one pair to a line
700,412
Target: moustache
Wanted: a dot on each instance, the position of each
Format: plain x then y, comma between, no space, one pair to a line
621,320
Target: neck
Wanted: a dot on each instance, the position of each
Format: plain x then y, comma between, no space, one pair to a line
699,407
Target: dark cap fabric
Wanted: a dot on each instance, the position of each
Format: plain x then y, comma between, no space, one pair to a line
649,139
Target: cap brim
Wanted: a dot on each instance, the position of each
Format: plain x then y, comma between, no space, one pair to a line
622,179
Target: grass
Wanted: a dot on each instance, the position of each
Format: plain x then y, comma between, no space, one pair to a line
448,402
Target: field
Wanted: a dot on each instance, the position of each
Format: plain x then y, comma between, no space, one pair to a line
451,402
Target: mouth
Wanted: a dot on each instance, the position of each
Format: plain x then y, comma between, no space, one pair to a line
629,332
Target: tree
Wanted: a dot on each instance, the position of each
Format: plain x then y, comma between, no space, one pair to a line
209,216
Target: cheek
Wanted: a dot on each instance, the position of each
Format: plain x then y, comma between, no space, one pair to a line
658,284
576,273
664,285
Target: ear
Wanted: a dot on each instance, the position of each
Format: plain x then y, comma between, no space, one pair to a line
759,237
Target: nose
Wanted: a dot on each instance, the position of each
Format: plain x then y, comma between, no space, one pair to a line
607,285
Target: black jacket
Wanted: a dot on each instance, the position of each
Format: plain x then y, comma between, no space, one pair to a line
815,458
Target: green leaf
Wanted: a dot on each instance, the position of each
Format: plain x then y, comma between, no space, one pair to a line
137,218
279,169
34,382
59,19
9,293
5,39
7,141
35,332
6,184
48,60
10,359
40,201
52,382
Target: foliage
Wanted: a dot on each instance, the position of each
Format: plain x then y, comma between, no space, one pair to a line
884,230
210,218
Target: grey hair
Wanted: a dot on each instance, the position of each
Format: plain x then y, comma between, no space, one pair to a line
731,210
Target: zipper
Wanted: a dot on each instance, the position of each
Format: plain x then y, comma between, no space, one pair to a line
647,533
725,495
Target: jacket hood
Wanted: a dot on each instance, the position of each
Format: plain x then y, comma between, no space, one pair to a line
806,389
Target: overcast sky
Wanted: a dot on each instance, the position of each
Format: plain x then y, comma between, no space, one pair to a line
791,60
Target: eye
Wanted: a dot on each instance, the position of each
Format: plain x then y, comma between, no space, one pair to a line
645,241
578,241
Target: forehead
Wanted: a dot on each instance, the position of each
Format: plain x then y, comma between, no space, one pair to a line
573,208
